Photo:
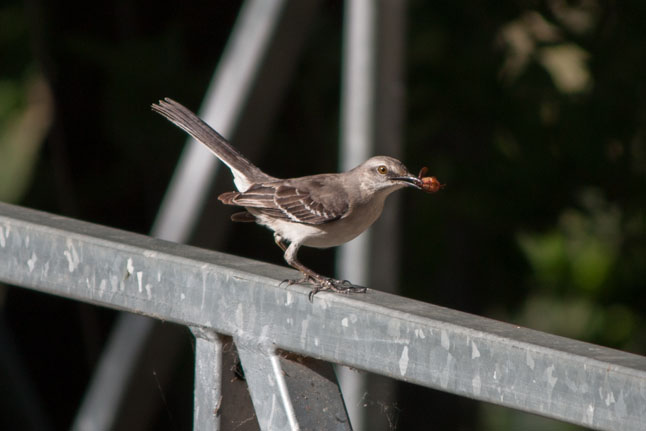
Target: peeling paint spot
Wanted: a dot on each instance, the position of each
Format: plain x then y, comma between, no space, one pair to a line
445,340
239,316
304,324
72,256
182,296
475,353
130,267
403,361
571,385
148,288
204,275
393,328
316,341
550,378
620,407
419,333
140,275
31,263
344,322
3,243
476,384
446,372
588,415
529,360
289,298
103,285
114,282
610,398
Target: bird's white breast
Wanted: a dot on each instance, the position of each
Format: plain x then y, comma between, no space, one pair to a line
332,234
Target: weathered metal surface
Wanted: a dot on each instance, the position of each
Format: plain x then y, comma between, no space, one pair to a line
290,392
386,334
207,392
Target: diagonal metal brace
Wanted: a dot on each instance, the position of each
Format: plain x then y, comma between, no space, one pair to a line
291,391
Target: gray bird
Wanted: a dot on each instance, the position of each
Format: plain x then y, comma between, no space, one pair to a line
321,211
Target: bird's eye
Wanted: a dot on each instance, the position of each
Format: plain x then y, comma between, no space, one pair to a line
382,169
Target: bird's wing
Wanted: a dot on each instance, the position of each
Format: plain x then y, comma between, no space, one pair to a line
304,200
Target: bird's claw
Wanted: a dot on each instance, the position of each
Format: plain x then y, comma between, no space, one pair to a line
339,286
321,284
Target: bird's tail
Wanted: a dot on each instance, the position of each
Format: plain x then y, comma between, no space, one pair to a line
244,172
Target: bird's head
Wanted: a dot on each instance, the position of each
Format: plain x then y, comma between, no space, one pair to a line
386,173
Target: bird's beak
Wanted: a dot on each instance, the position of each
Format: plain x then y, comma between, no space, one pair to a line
410,181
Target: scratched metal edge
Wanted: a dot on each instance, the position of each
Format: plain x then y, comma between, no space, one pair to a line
371,331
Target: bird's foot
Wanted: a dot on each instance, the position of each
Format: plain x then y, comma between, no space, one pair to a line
339,286
322,284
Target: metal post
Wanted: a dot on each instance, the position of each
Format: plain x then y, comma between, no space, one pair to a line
357,145
207,392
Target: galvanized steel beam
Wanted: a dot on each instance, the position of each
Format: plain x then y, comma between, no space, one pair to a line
207,392
408,340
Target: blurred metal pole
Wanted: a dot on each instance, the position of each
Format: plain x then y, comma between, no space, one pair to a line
357,117
385,262
224,100
358,88
183,202
372,114
389,137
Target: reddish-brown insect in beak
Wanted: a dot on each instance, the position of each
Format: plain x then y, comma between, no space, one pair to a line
429,184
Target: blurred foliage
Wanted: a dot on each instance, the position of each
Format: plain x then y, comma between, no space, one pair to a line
23,127
582,249
533,113
25,107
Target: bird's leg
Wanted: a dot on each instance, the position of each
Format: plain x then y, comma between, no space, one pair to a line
280,242
320,282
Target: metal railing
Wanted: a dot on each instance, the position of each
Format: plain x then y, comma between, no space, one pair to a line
220,295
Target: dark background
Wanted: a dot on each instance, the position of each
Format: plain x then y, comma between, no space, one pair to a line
533,113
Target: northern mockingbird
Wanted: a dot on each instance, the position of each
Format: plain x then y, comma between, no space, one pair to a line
321,211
